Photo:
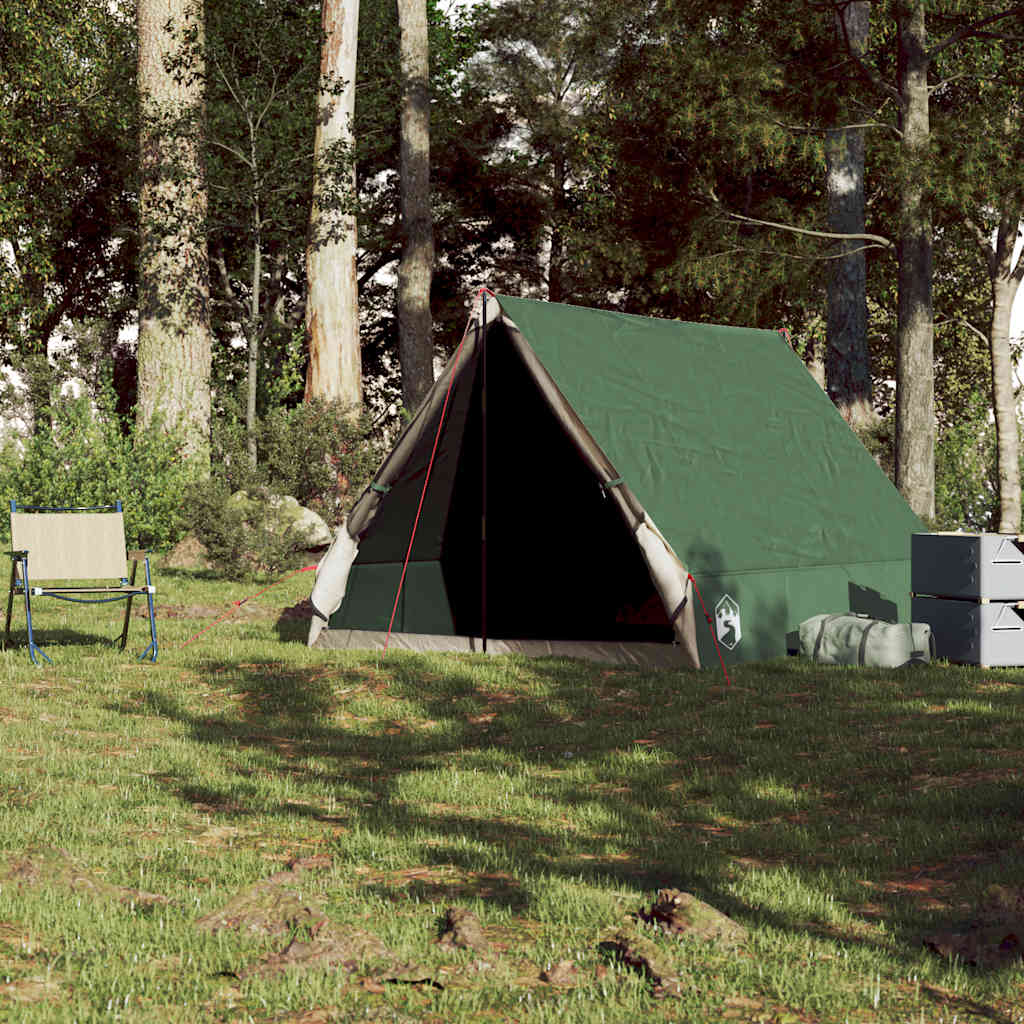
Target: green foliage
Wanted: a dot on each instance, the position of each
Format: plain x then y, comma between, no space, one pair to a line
67,158
966,483
244,535
83,457
311,453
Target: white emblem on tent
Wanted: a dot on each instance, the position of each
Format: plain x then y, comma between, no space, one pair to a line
727,622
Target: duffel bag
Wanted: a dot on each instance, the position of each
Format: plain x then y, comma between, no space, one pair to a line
848,638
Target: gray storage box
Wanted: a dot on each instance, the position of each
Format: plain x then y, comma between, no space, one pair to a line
990,634
967,565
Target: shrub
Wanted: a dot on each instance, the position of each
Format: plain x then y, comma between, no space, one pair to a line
243,533
966,483
311,452
82,457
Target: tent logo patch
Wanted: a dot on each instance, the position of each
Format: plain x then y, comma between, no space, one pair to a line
727,622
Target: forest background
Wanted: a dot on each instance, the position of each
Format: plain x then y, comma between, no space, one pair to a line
682,160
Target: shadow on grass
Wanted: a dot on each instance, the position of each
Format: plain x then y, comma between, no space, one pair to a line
808,800
52,640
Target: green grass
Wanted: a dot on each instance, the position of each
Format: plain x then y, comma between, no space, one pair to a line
839,815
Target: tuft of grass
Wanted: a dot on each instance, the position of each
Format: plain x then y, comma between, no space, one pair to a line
839,815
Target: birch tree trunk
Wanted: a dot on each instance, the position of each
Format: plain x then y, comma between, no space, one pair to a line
332,305
174,348
915,371
847,363
415,272
1006,278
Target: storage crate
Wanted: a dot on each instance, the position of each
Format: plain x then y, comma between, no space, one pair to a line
986,633
967,565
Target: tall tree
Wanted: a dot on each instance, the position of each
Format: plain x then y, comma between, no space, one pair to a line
174,349
263,58
915,367
415,271
847,368
332,306
68,160
543,65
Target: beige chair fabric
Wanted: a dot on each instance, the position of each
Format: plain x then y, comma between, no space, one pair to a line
76,546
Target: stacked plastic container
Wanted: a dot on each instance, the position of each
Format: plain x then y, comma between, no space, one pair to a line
969,587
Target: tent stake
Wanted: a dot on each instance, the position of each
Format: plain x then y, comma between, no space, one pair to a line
483,474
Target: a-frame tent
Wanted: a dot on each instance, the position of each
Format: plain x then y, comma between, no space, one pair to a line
609,455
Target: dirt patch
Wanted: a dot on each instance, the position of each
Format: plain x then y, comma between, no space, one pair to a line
50,868
273,908
993,938
245,610
564,974
39,988
446,881
323,947
189,553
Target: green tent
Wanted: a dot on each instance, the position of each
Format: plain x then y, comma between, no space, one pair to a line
611,456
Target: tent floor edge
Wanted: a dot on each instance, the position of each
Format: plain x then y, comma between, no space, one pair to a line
637,655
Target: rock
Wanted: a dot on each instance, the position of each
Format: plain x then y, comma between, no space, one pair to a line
264,910
309,529
304,521
267,908
643,955
462,930
189,553
683,915
564,974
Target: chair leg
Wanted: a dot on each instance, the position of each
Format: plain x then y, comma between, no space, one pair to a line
128,606
152,617
10,605
33,648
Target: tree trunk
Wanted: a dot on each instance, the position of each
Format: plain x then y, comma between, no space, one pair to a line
847,364
1005,282
252,376
174,349
415,329
556,255
915,371
332,306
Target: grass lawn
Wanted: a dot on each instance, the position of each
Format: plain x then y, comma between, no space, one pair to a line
250,830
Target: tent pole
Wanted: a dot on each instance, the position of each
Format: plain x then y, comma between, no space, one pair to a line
483,474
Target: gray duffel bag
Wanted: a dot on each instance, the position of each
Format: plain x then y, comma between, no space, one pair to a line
851,639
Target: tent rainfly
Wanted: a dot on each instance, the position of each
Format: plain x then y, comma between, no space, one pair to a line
571,453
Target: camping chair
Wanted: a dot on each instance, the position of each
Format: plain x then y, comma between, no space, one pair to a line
79,544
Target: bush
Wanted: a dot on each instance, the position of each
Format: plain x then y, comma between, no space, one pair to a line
966,482
243,533
82,457
312,453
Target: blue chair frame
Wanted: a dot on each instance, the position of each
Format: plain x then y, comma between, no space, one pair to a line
126,591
